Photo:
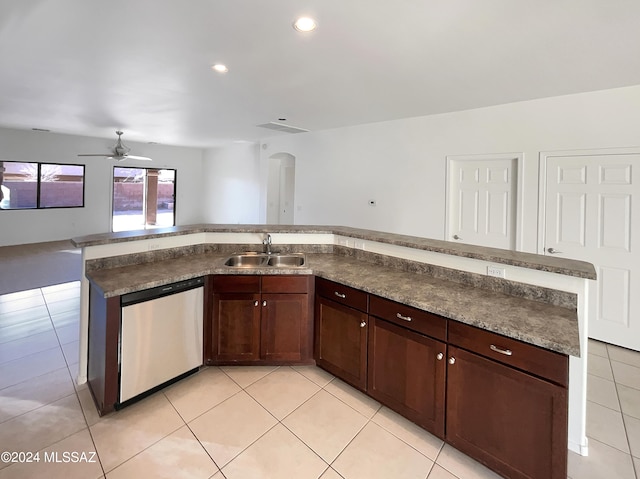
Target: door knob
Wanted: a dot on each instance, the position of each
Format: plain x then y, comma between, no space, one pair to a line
553,251
456,237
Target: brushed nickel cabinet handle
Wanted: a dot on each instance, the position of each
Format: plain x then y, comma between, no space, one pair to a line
553,251
506,352
404,318
456,237
340,295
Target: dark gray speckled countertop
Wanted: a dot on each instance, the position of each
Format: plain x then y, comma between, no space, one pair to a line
534,322
553,264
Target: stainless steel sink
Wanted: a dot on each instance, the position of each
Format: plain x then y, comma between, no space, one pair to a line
246,260
294,260
262,260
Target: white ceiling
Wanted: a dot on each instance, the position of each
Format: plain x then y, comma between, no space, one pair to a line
88,67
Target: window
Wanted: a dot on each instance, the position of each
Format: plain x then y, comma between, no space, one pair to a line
41,185
143,198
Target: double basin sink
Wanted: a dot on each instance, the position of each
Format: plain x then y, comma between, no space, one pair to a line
266,260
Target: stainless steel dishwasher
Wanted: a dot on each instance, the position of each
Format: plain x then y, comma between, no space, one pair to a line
160,337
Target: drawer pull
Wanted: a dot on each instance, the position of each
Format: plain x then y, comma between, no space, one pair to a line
440,356
362,324
452,360
264,303
405,318
255,303
340,295
506,352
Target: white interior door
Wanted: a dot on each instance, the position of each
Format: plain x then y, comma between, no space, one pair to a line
482,201
590,215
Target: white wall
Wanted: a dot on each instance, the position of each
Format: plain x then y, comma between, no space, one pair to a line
401,164
231,177
32,226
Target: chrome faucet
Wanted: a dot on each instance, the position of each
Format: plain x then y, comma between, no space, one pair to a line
267,243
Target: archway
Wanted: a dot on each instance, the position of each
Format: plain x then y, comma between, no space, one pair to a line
281,189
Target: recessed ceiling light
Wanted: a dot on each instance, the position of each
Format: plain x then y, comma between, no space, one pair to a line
220,68
305,24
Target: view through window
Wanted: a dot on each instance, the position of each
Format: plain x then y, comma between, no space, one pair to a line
28,185
143,198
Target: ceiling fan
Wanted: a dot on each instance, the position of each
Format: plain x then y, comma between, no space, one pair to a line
119,152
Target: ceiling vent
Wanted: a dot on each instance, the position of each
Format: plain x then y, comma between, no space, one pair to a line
272,125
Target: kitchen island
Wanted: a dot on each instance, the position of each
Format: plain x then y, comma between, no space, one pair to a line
541,301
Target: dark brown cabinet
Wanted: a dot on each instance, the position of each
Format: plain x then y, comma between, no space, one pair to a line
406,369
237,326
261,319
341,332
499,400
513,421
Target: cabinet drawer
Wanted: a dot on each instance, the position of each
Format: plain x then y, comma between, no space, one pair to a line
342,294
408,317
533,359
285,284
236,284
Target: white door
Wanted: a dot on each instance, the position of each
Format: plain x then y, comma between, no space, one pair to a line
482,201
590,216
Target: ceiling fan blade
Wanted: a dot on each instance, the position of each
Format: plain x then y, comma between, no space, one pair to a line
119,152
134,157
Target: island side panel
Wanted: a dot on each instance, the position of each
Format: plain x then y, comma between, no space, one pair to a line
102,365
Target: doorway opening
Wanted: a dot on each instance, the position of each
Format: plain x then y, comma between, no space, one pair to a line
143,198
281,189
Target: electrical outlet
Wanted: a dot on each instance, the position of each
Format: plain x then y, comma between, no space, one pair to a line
495,271
343,241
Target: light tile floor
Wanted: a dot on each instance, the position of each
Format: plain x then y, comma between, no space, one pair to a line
249,422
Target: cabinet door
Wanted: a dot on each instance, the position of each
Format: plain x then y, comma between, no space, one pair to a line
514,423
407,373
285,330
341,341
236,326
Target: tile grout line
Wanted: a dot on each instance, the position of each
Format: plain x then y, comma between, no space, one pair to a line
369,420
75,391
280,422
624,421
193,433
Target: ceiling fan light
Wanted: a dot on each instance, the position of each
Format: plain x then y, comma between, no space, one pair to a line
305,24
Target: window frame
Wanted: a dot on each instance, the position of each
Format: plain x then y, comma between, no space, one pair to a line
39,186
145,168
